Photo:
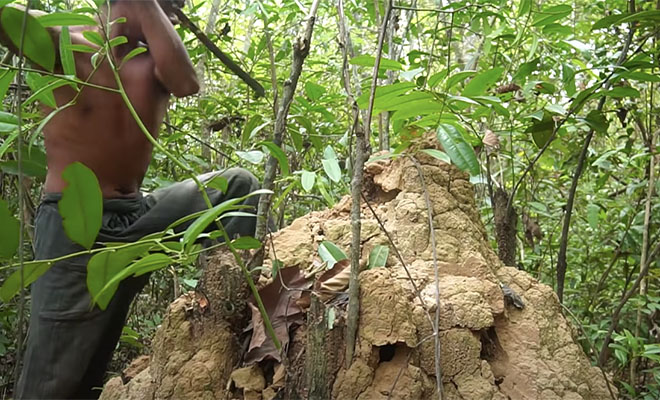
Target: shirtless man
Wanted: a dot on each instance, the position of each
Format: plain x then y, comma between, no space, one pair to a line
69,345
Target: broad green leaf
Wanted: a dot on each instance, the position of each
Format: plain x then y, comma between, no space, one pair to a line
210,215
393,102
245,243
251,124
458,149
542,131
118,40
314,91
83,48
524,7
94,37
378,256
593,212
8,122
81,205
382,92
106,269
597,121
66,54
368,61
9,231
279,155
307,179
44,92
552,14
65,19
620,92
480,83
38,45
416,108
6,79
330,253
150,263
252,156
642,16
332,169
458,77
135,52
33,163
31,271
440,155
218,183
608,21
641,76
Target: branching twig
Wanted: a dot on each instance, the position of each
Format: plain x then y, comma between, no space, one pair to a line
361,143
300,52
429,211
563,241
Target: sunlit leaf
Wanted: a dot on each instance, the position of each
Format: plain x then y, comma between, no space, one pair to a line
378,256
330,253
480,83
307,180
252,156
440,155
458,149
245,243
66,54
368,61
65,19
38,45
31,271
81,205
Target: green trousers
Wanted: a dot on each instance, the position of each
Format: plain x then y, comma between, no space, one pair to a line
69,344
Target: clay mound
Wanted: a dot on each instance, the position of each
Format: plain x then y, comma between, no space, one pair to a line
489,350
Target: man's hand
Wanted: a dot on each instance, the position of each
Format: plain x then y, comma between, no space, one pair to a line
169,7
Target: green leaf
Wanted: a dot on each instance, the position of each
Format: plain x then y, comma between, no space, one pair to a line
276,266
253,156
542,131
38,45
31,271
608,21
33,163
150,263
135,52
378,256
204,220
593,212
330,253
245,243
368,61
82,48
597,121
458,77
249,127
94,37
81,205
307,179
65,19
279,154
218,183
332,169
552,14
620,92
524,7
458,149
8,122
383,92
6,78
9,232
440,155
66,54
106,269
314,91
480,83
118,40
415,108
641,76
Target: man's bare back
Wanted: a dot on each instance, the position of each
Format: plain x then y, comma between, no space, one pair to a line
99,130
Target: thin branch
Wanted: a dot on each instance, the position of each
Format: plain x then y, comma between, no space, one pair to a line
361,149
563,241
300,52
429,211
21,194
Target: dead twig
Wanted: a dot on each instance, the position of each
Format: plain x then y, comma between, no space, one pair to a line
361,151
429,211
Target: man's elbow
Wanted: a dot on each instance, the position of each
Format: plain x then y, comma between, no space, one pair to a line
186,87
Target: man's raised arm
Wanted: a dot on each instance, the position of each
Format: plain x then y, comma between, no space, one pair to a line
174,69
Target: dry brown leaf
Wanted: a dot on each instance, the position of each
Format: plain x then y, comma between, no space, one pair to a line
279,298
491,141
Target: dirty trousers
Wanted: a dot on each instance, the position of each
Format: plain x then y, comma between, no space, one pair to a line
69,344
